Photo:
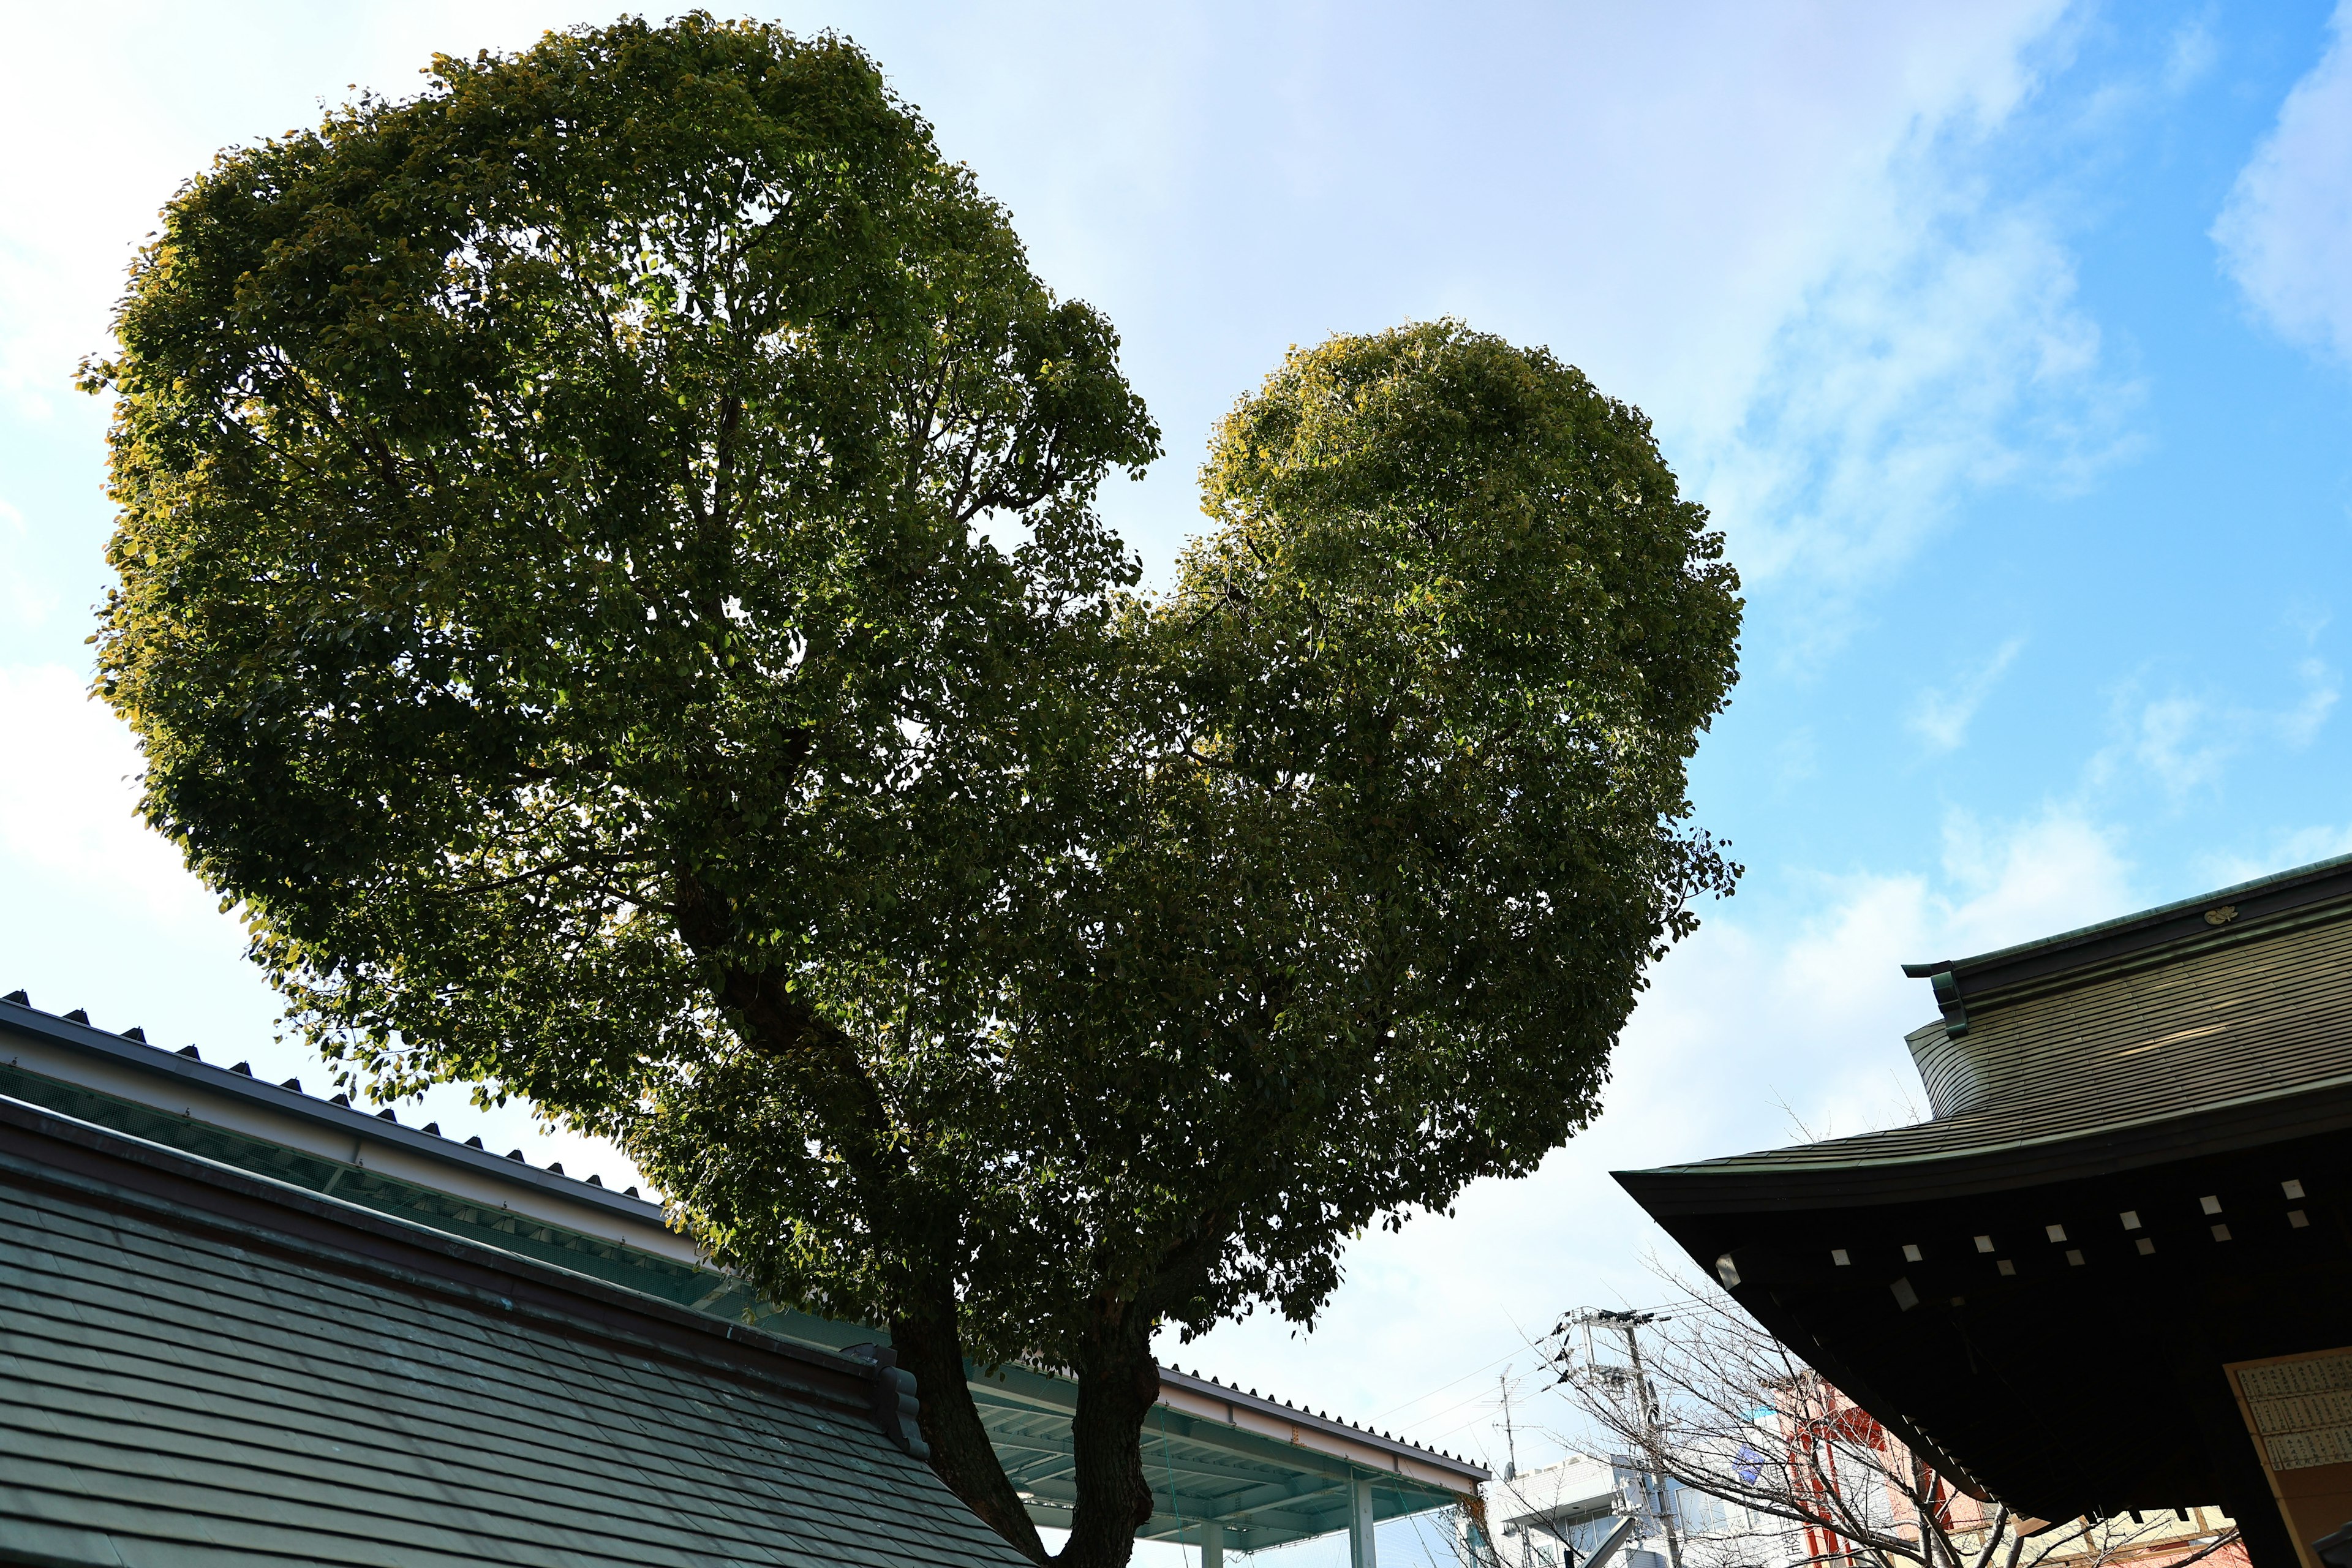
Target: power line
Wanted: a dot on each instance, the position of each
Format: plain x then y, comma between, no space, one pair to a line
1473,1399
1443,1386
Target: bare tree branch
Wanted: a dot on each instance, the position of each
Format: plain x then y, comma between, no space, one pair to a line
1720,1409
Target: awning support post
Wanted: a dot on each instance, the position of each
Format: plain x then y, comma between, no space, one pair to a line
1359,1524
1212,1545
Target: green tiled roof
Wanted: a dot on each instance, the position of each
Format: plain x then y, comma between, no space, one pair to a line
200,1366
1265,1472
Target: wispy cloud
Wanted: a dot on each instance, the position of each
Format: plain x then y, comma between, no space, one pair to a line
2285,232
2191,57
1942,716
1945,352
2300,725
2010,882
1936,366
2183,742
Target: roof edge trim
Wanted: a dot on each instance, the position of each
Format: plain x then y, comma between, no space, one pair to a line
161,1066
2241,912
1209,1390
1730,1184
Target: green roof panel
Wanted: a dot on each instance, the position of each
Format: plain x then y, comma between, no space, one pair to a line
185,1381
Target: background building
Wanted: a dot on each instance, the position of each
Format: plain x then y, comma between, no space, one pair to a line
1560,1515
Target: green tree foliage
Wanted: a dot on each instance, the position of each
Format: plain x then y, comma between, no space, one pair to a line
558,606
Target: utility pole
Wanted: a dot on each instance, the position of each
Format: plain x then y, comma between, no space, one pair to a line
1627,1324
1510,1438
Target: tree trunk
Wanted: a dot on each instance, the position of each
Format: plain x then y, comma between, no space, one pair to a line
1119,1382
1118,1386
962,1455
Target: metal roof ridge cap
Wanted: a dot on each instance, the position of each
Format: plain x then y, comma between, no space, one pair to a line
2197,902
359,1216
1210,1388
165,1062
1728,1164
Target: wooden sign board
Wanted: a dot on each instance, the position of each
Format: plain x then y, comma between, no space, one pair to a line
2298,1410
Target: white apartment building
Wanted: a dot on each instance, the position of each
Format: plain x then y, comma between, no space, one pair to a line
1562,1515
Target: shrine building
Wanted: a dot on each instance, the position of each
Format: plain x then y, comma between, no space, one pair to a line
2113,1270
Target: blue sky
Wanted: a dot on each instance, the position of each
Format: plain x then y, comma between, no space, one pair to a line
2010,344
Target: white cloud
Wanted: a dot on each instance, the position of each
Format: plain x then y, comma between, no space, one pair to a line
2179,742
2300,725
67,796
2191,57
67,235
1796,248
1879,326
2048,875
2285,232
1942,716
81,188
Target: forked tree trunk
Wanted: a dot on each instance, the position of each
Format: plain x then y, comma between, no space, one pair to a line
1117,1381
1118,1386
